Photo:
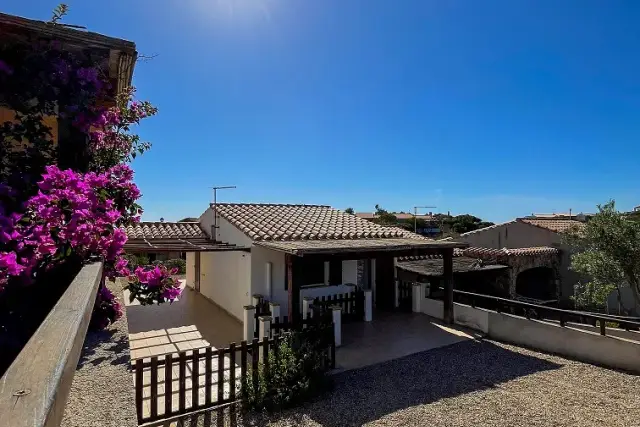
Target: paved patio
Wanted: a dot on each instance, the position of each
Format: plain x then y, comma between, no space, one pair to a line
191,322
393,335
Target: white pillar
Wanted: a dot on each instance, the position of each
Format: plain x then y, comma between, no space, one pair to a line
306,307
265,331
274,307
256,299
337,324
396,293
416,296
368,305
249,322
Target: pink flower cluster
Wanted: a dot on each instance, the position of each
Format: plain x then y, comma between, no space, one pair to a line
72,213
106,310
153,284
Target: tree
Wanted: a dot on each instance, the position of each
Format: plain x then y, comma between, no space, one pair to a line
349,211
189,219
607,249
465,223
384,218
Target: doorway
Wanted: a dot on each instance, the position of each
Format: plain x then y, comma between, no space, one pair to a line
197,272
385,296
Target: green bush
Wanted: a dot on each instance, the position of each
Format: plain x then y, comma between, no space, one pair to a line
296,375
136,260
178,263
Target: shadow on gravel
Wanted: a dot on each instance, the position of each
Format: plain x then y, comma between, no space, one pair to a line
367,394
100,346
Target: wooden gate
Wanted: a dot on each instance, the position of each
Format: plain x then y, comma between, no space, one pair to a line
352,305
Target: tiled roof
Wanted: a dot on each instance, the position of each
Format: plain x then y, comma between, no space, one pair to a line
165,230
262,222
490,253
554,224
300,247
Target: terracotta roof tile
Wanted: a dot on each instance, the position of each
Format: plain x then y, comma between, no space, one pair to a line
164,230
282,222
490,253
554,224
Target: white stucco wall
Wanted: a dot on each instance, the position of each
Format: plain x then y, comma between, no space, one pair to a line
259,258
191,269
226,232
226,280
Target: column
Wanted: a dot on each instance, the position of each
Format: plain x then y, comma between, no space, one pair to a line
265,331
256,298
274,307
396,293
416,298
249,322
368,305
336,312
447,260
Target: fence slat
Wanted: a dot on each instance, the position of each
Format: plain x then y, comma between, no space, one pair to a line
168,394
182,380
265,356
195,377
153,389
232,371
243,363
139,387
254,363
207,375
220,376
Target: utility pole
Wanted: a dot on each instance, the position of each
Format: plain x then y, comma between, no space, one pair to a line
415,215
214,227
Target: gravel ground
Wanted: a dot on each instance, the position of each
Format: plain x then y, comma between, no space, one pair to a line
474,383
102,391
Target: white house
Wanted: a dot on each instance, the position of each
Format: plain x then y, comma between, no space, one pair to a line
287,252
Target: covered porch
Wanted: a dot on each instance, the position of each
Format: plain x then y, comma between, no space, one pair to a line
392,335
325,259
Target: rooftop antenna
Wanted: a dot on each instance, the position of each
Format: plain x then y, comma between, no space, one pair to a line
215,226
415,215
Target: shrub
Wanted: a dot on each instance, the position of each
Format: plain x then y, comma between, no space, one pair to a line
178,263
296,375
136,260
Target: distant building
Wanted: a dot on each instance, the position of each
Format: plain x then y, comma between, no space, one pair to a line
428,225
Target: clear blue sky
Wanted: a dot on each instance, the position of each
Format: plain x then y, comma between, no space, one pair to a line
496,108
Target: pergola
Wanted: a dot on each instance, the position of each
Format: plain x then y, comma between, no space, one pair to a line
382,250
196,244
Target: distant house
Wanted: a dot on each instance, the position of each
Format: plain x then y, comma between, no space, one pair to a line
428,225
152,238
526,233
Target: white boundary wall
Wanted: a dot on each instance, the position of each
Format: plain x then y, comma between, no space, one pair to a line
580,342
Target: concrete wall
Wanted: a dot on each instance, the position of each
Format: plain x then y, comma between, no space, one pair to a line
226,280
618,349
191,269
575,343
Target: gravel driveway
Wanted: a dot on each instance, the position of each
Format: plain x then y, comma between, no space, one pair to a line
473,383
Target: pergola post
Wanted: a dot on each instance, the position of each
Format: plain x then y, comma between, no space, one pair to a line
447,260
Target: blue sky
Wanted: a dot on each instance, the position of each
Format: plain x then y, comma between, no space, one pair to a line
495,108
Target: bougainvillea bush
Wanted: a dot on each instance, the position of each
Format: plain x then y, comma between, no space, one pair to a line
62,203
153,285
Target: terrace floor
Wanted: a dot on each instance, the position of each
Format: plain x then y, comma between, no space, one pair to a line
393,335
191,322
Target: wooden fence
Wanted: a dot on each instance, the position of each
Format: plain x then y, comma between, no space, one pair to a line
204,378
352,305
262,309
405,295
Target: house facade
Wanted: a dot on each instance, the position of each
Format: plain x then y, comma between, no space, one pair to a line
294,251
529,233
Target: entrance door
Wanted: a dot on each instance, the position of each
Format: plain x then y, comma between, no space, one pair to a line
197,272
385,298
